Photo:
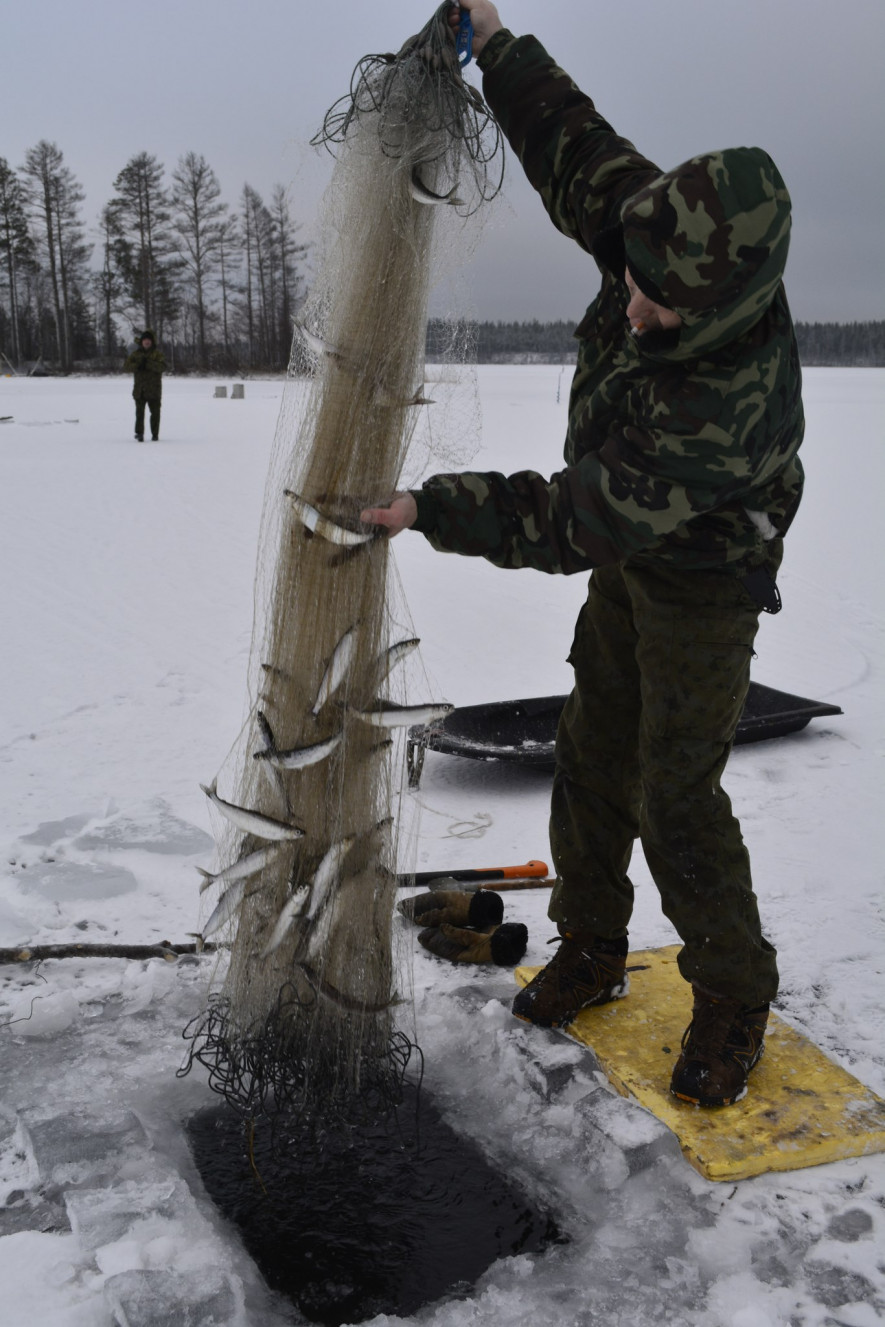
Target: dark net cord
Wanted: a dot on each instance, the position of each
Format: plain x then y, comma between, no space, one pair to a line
421,88
262,1072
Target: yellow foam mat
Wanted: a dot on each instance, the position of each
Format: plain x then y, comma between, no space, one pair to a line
801,1108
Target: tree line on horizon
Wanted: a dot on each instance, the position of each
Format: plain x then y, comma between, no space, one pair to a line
843,345
219,287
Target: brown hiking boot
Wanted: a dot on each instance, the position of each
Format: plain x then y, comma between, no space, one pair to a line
722,1043
582,972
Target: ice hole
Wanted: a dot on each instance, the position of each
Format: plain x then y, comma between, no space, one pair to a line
350,1222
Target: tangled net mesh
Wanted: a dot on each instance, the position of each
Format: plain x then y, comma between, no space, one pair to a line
449,127
308,1020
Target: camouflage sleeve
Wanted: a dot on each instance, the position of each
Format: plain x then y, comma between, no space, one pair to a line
156,362
133,362
642,485
581,168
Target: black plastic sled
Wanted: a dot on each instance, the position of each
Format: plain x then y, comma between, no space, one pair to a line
525,730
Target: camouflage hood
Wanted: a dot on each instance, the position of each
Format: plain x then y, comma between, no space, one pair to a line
709,240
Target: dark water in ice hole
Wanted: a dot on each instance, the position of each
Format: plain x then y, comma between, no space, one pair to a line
380,1218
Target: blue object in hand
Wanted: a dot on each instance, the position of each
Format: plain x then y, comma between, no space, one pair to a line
464,40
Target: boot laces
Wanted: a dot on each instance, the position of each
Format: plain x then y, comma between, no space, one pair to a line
574,966
717,1031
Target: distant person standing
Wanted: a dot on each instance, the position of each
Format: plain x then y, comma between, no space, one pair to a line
148,365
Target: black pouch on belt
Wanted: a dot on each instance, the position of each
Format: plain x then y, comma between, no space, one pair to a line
761,586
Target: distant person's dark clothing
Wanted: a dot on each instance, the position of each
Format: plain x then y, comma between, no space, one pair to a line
148,364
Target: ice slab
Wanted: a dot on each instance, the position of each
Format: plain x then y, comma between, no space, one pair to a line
637,1134
43,1015
28,1212
72,1149
63,880
103,1216
208,1298
159,831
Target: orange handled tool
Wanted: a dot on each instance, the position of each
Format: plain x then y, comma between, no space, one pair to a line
528,871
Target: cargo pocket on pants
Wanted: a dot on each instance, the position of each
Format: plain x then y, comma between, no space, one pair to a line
708,674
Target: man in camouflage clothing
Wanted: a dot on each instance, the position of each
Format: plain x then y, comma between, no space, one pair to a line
680,479
148,364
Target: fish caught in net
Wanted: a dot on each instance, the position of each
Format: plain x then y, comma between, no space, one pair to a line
307,809
425,116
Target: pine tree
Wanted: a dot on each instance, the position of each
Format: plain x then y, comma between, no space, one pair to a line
289,255
228,263
145,247
107,282
16,249
54,198
198,222
247,241
257,230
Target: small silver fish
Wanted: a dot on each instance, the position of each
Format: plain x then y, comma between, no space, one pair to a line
300,757
321,525
273,776
277,786
294,906
337,669
265,729
327,873
421,194
317,345
240,870
253,822
400,716
373,842
388,659
226,907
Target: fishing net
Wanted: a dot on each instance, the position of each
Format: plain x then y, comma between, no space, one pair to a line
307,1016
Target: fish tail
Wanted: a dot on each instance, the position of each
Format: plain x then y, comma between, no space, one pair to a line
207,881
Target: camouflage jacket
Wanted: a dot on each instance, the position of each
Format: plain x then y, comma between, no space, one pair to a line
682,444
148,367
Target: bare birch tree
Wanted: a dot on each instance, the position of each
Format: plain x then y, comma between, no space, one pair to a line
198,222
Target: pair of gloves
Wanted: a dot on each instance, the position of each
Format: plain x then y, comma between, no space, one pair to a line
466,927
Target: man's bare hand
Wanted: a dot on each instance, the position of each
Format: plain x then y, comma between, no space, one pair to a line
484,15
399,514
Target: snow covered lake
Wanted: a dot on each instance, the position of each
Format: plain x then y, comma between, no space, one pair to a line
126,605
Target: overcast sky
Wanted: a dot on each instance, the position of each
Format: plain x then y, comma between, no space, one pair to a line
248,85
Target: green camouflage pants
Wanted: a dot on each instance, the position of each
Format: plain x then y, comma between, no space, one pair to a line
662,667
153,404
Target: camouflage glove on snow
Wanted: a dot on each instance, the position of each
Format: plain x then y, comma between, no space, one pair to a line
505,945
454,907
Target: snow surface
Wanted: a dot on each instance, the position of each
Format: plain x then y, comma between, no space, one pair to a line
127,612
